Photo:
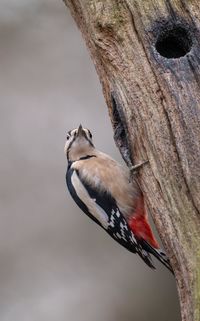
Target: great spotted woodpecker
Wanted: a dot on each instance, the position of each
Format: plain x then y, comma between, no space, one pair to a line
103,190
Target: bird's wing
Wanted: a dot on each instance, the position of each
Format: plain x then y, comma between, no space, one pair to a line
101,207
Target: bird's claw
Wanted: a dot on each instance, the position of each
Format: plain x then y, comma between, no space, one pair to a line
134,168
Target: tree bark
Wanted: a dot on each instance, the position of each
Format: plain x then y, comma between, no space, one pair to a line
146,54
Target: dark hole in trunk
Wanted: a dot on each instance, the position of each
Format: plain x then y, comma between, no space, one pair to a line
174,42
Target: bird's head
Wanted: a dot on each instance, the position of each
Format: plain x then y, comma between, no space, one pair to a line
78,143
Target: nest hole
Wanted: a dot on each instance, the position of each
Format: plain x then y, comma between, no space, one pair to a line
174,43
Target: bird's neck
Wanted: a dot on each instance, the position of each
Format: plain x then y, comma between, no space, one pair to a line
77,154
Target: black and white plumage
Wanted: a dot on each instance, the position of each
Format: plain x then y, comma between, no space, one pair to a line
102,189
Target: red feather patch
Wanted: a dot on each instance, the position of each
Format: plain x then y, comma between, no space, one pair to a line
140,226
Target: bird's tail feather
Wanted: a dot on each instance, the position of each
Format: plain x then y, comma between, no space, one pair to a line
158,253
145,256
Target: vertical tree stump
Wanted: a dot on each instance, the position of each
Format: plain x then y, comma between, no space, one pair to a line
147,56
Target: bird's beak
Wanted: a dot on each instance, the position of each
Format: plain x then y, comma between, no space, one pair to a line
80,130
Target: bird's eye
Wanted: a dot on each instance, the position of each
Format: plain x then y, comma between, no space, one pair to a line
68,136
90,134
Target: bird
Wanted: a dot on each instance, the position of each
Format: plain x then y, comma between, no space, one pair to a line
103,190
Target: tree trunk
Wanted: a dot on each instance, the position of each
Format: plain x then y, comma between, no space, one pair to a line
147,56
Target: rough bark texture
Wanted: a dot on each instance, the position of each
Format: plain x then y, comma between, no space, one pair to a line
147,56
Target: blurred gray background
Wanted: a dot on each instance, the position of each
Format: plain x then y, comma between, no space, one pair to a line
56,264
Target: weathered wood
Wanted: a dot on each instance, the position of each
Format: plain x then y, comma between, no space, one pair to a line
147,56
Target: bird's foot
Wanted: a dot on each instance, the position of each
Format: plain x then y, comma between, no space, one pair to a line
134,168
